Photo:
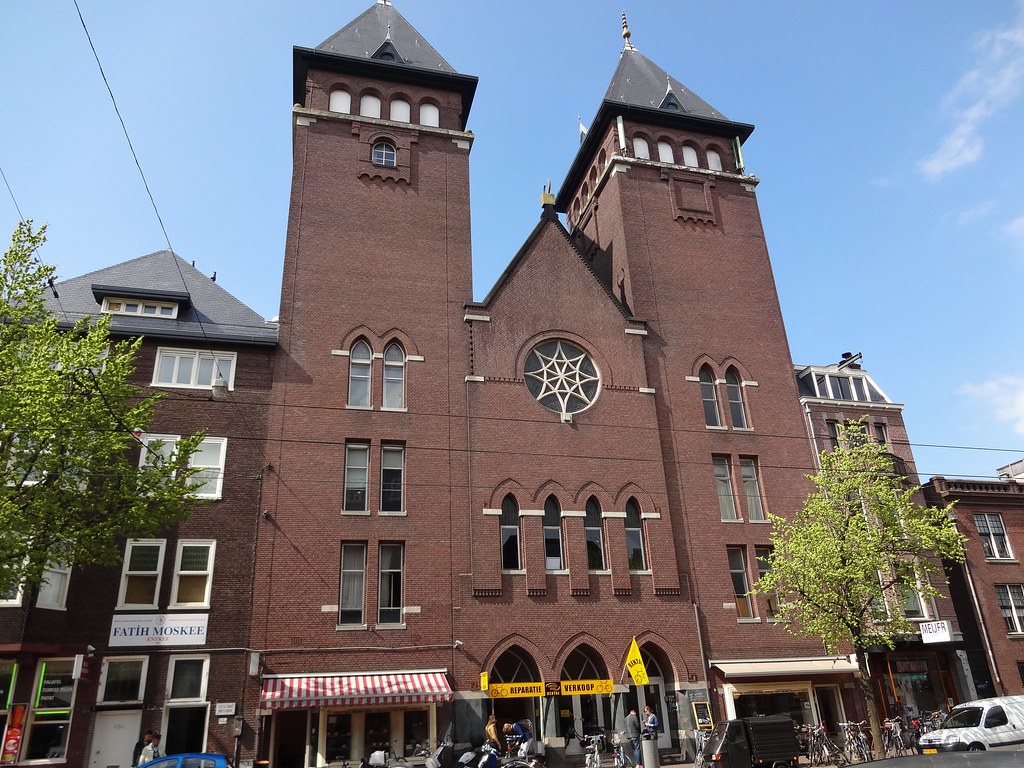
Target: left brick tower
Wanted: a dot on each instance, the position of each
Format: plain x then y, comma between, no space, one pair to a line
353,615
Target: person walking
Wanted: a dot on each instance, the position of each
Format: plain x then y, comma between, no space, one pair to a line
633,734
491,731
152,750
141,745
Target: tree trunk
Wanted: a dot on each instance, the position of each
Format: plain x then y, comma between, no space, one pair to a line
868,689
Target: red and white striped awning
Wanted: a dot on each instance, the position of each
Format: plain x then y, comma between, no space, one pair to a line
293,692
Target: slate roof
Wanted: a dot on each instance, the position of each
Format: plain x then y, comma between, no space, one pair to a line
210,313
639,82
363,36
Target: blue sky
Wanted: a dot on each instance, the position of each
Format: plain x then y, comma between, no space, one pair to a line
888,144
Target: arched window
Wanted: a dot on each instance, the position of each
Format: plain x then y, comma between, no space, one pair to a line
400,111
552,534
665,153
384,153
635,537
394,377
341,101
359,359
594,536
690,156
640,148
709,397
430,115
714,160
734,388
509,534
369,106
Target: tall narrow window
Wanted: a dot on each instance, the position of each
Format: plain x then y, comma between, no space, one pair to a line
881,436
49,719
764,567
690,156
714,160
665,153
595,538
509,534
193,579
723,485
357,458
833,435
635,537
709,397
392,467
552,534
53,591
359,361
734,388
140,578
913,606
992,535
740,586
353,584
389,590
640,149
186,709
394,377
751,489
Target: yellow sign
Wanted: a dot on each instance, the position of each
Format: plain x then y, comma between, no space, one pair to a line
515,690
483,681
635,665
586,687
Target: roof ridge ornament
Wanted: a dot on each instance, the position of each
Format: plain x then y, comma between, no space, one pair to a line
626,34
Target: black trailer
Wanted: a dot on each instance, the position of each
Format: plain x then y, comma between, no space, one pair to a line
754,742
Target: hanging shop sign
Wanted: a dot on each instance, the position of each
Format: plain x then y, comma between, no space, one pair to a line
586,687
158,629
514,690
935,632
635,665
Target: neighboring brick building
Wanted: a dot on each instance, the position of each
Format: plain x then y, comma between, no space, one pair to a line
988,588
191,587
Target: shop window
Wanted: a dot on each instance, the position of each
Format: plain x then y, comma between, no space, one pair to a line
140,576
378,731
510,534
635,537
338,743
552,534
8,677
49,722
353,584
415,730
389,588
593,532
123,680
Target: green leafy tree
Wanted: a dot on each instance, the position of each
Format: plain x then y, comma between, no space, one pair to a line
845,567
71,488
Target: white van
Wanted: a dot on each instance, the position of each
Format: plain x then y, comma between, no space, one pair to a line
978,725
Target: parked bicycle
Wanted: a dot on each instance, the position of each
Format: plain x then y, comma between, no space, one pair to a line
857,743
821,750
893,742
700,740
620,752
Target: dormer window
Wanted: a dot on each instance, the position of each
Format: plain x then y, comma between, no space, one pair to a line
122,306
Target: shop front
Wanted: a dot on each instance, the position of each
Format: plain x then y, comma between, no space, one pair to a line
319,720
912,682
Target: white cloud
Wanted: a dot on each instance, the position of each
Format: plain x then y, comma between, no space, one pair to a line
975,212
1015,230
994,83
1004,395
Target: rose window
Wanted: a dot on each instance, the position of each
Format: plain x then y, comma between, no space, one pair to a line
561,377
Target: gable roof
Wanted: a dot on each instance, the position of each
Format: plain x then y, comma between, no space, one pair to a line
206,310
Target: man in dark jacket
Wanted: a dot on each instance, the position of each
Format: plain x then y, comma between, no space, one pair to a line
139,746
633,734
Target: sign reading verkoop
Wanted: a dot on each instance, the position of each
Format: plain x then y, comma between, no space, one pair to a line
159,629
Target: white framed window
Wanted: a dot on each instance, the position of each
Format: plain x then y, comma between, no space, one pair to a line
764,567
369,106
390,586
357,467
123,679
193,368
392,478
400,112
394,378
709,397
752,489
553,560
187,678
510,556
53,590
594,533
385,154
734,389
49,720
690,156
714,160
641,150
665,153
186,711
430,115
1011,603
913,605
360,362
353,584
635,537
341,101
993,536
740,584
120,306
140,575
724,488
11,597
209,457
193,574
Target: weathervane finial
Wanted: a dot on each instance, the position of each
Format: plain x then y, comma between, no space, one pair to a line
626,34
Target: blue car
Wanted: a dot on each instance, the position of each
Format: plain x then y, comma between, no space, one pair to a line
189,760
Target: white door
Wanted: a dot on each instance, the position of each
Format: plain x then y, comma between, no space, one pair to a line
114,736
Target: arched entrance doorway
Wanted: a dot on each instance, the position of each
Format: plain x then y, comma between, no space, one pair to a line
652,694
589,712
515,665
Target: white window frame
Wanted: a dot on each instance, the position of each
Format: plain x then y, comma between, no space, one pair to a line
361,571
1016,607
714,160
61,601
360,369
641,149
172,663
34,713
197,356
750,477
393,450
123,588
210,475
340,101
382,593
400,111
724,482
430,115
666,154
350,450
104,673
394,373
742,572
690,157
989,536
118,305
14,601
211,546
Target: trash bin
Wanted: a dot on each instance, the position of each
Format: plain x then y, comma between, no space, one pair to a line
649,751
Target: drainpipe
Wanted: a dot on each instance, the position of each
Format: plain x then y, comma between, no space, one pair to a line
810,434
984,629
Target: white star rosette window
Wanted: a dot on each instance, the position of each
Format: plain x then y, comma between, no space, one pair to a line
562,377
